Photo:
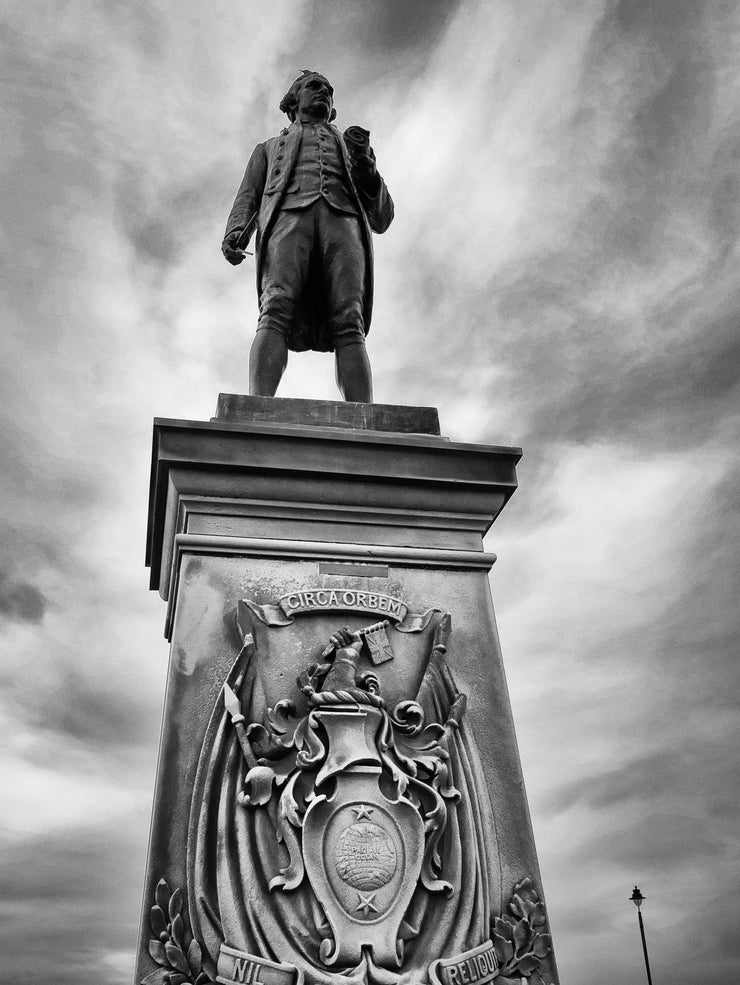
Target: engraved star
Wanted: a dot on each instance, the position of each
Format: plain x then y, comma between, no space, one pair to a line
366,903
362,811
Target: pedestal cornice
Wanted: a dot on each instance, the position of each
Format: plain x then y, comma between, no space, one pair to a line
270,488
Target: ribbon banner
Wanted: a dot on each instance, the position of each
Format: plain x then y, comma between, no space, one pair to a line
239,968
473,967
340,600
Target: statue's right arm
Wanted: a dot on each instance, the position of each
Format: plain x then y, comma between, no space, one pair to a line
246,206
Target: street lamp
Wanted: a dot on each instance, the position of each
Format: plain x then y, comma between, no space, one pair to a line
637,898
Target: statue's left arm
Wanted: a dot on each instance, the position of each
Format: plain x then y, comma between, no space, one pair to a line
374,195
378,206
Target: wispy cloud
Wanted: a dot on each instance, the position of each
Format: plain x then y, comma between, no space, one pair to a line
562,273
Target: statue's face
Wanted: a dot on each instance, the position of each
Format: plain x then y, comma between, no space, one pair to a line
315,98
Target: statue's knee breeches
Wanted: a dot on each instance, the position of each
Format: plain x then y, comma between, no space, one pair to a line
287,256
343,275
347,325
277,311
315,250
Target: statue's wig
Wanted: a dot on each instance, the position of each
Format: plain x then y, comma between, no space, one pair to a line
289,102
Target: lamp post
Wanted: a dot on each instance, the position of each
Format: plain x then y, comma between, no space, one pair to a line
637,898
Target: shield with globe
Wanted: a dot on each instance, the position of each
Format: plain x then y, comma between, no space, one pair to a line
362,851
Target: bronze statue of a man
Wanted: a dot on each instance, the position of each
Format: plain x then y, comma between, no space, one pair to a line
314,195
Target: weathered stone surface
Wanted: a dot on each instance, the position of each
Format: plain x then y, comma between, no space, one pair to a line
337,805
239,408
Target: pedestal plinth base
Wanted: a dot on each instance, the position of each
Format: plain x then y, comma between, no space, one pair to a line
334,656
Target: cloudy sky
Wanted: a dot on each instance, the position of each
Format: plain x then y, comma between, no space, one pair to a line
562,274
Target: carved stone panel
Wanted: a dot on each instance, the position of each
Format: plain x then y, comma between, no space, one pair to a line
334,837
339,817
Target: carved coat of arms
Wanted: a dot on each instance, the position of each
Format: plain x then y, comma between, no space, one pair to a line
336,839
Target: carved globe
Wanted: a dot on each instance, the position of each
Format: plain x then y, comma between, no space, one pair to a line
365,856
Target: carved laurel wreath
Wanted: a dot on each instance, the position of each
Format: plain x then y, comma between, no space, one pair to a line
173,947
517,939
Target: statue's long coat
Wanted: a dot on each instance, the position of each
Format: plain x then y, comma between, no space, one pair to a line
261,194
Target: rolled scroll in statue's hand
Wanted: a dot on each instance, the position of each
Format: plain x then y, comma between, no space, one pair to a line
357,140
361,153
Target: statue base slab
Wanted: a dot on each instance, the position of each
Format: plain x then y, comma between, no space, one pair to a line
238,408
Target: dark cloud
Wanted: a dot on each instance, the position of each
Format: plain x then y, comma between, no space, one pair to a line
581,381
668,23
679,46
154,239
357,45
659,842
657,399
390,27
62,706
723,206
161,214
68,901
74,710
625,328
716,944
21,600
76,864
144,28
58,480
666,775
384,27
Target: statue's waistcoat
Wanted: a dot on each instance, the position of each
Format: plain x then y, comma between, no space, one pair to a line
319,172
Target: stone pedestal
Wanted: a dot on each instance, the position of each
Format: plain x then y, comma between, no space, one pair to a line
344,810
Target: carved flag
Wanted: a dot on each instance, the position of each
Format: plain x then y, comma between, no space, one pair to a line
378,644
